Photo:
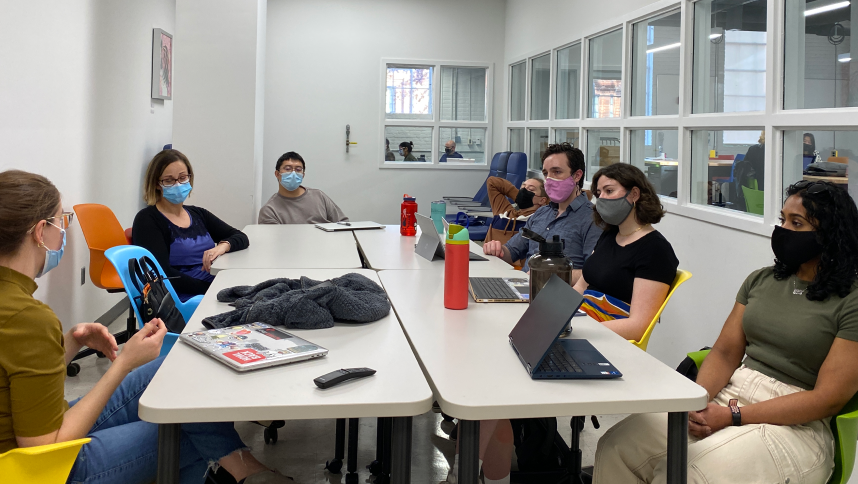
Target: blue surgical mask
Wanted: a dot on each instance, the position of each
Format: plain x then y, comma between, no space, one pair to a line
401,152
177,193
291,181
52,257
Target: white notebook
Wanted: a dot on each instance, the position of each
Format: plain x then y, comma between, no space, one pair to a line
340,226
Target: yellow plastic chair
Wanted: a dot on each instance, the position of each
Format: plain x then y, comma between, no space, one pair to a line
681,276
44,464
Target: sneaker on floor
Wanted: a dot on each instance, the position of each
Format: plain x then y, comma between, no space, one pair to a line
268,477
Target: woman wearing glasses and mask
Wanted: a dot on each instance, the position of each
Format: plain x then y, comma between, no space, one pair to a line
34,353
786,362
185,239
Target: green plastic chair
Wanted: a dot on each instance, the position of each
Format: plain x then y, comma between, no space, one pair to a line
844,426
753,199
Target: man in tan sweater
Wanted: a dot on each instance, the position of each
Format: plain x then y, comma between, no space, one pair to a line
295,204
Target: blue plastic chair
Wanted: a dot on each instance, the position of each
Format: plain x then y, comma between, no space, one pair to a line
516,169
119,257
497,168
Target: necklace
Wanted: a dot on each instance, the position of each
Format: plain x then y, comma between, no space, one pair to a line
796,290
630,233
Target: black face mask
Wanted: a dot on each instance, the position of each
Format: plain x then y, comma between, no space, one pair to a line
794,248
448,151
808,149
524,199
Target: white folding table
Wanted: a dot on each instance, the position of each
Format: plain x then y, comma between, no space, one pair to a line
292,246
476,375
388,250
192,387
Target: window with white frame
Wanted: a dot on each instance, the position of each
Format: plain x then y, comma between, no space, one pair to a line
436,114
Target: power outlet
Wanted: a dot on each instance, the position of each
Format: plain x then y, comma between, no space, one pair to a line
82,276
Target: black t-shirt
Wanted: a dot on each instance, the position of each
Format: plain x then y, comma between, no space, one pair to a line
612,269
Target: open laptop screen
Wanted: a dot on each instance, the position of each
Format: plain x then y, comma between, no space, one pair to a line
544,319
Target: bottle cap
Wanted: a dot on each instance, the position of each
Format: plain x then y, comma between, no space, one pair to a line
408,198
553,247
457,235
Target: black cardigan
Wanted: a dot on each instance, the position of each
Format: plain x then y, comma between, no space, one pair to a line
152,232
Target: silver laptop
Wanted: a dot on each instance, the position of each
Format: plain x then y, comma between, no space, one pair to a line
431,244
499,289
253,346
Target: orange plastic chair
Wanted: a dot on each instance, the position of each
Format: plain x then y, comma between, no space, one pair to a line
102,231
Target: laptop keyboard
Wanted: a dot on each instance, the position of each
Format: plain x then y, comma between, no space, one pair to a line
492,288
558,360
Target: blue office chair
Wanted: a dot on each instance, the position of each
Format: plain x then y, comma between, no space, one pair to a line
119,257
737,159
497,168
516,169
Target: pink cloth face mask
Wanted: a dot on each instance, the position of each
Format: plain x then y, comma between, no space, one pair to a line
559,190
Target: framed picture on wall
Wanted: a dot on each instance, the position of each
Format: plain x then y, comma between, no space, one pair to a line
162,65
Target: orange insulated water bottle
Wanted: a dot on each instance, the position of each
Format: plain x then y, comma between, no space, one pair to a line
456,268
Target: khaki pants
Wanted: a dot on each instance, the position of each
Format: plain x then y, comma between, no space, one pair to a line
635,450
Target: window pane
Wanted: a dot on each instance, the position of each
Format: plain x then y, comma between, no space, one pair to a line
409,92
606,58
729,56
655,66
516,140
468,144
463,94
568,73
538,145
801,148
727,169
567,135
817,56
516,91
656,153
603,149
540,80
421,137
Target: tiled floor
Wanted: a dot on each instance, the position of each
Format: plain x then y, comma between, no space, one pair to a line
305,445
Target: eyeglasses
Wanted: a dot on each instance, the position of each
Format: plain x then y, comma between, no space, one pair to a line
289,169
66,217
169,182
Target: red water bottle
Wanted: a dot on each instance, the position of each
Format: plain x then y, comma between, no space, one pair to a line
456,268
407,220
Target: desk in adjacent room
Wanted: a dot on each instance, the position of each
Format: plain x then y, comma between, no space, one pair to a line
192,387
292,246
387,249
476,375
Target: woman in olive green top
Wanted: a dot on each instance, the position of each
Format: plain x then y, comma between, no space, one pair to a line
796,325
34,353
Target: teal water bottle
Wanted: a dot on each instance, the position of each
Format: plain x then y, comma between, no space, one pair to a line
439,210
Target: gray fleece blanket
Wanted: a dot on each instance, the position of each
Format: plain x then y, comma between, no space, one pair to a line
303,303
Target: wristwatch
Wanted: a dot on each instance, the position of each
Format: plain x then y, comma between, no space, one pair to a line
737,415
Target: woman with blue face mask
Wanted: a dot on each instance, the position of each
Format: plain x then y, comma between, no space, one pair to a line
34,353
185,239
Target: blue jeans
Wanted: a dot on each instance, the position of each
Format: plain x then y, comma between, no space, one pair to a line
124,449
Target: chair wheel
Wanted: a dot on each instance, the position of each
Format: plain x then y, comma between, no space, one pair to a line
73,369
352,478
270,435
99,354
374,467
334,466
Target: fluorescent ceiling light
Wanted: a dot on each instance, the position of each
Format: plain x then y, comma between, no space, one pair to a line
844,57
663,47
826,8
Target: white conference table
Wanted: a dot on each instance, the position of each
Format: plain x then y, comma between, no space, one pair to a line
294,247
388,250
476,375
192,387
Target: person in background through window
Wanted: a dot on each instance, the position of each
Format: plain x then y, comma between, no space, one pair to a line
405,149
388,155
809,145
449,151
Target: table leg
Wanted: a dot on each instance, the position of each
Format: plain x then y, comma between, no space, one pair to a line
469,451
677,448
169,442
351,465
400,471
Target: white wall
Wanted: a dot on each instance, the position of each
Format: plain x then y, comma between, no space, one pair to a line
217,117
75,107
323,72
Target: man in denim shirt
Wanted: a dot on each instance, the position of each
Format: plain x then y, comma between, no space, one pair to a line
569,215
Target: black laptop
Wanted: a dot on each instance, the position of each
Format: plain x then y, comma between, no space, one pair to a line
535,339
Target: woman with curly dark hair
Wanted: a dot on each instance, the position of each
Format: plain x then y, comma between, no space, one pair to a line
627,277
796,326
